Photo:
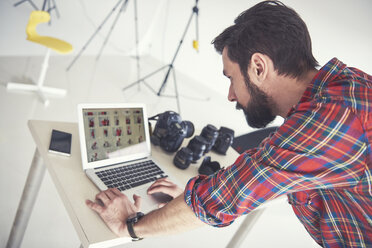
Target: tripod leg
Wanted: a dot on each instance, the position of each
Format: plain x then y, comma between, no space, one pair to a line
30,1
165,79
142,79
44,5
136,35
55,7
122,9
94,34
176,90
148,86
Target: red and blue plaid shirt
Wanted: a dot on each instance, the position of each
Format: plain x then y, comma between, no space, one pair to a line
320,157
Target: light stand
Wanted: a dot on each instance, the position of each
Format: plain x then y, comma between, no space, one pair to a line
44,8
122,9
170,66
136,30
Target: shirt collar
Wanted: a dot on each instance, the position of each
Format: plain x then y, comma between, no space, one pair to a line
325,75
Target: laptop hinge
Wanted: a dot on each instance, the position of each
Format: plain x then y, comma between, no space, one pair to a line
122,163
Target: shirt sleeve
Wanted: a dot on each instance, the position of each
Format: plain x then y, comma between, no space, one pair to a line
321,145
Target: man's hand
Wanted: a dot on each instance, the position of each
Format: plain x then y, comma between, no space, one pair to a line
165,186
115,208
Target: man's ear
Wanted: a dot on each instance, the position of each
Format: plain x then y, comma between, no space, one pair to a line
259,67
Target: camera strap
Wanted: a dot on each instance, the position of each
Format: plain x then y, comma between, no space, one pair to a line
153,118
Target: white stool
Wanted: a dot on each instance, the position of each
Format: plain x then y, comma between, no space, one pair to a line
60,46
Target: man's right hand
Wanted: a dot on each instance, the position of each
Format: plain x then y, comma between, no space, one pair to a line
114,208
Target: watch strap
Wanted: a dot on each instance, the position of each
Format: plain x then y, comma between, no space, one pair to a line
130,224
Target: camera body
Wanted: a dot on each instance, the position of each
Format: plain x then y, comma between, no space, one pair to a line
224,140
170,131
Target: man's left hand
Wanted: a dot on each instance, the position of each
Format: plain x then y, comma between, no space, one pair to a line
114,208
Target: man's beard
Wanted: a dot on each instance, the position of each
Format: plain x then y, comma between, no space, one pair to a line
258,112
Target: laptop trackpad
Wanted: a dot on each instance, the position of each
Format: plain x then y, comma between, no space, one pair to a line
161,197
150,202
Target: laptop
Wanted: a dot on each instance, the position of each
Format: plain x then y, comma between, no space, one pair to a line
116,150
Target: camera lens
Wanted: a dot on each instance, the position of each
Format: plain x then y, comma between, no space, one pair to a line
183,158
210,133
189,128
197,145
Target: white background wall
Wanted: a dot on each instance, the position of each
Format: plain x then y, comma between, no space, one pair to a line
339,28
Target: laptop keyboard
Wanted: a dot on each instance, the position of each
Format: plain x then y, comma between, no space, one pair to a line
130,176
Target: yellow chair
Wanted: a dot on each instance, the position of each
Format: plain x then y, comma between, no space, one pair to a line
60,46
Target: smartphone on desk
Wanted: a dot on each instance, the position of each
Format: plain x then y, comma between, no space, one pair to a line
60,143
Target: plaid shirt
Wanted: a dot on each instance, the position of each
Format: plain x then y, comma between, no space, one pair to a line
320,157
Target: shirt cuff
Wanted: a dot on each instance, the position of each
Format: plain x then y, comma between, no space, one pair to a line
194,200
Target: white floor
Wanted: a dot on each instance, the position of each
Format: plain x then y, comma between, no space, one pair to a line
102,81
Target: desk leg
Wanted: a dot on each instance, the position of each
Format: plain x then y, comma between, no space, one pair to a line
240,235
30,190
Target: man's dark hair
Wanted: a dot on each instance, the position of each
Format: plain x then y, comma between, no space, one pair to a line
273,29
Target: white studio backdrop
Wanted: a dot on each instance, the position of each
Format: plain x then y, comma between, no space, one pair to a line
339,28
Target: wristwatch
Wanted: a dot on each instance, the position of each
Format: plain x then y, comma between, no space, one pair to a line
132,219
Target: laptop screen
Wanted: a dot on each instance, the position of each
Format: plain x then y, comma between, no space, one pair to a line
113,133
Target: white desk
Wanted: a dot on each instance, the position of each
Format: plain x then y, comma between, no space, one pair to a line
74,188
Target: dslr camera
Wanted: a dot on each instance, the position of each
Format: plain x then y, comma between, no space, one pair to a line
170,131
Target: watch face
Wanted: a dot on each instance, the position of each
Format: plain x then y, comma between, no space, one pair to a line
132,216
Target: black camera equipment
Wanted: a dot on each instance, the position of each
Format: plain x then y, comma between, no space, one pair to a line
197,145
208,167
170,131
210,133
224,140
183,158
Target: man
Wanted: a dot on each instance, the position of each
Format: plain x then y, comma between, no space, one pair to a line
320,157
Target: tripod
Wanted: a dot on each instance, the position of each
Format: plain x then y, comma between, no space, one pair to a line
124,4
195,11
46,8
